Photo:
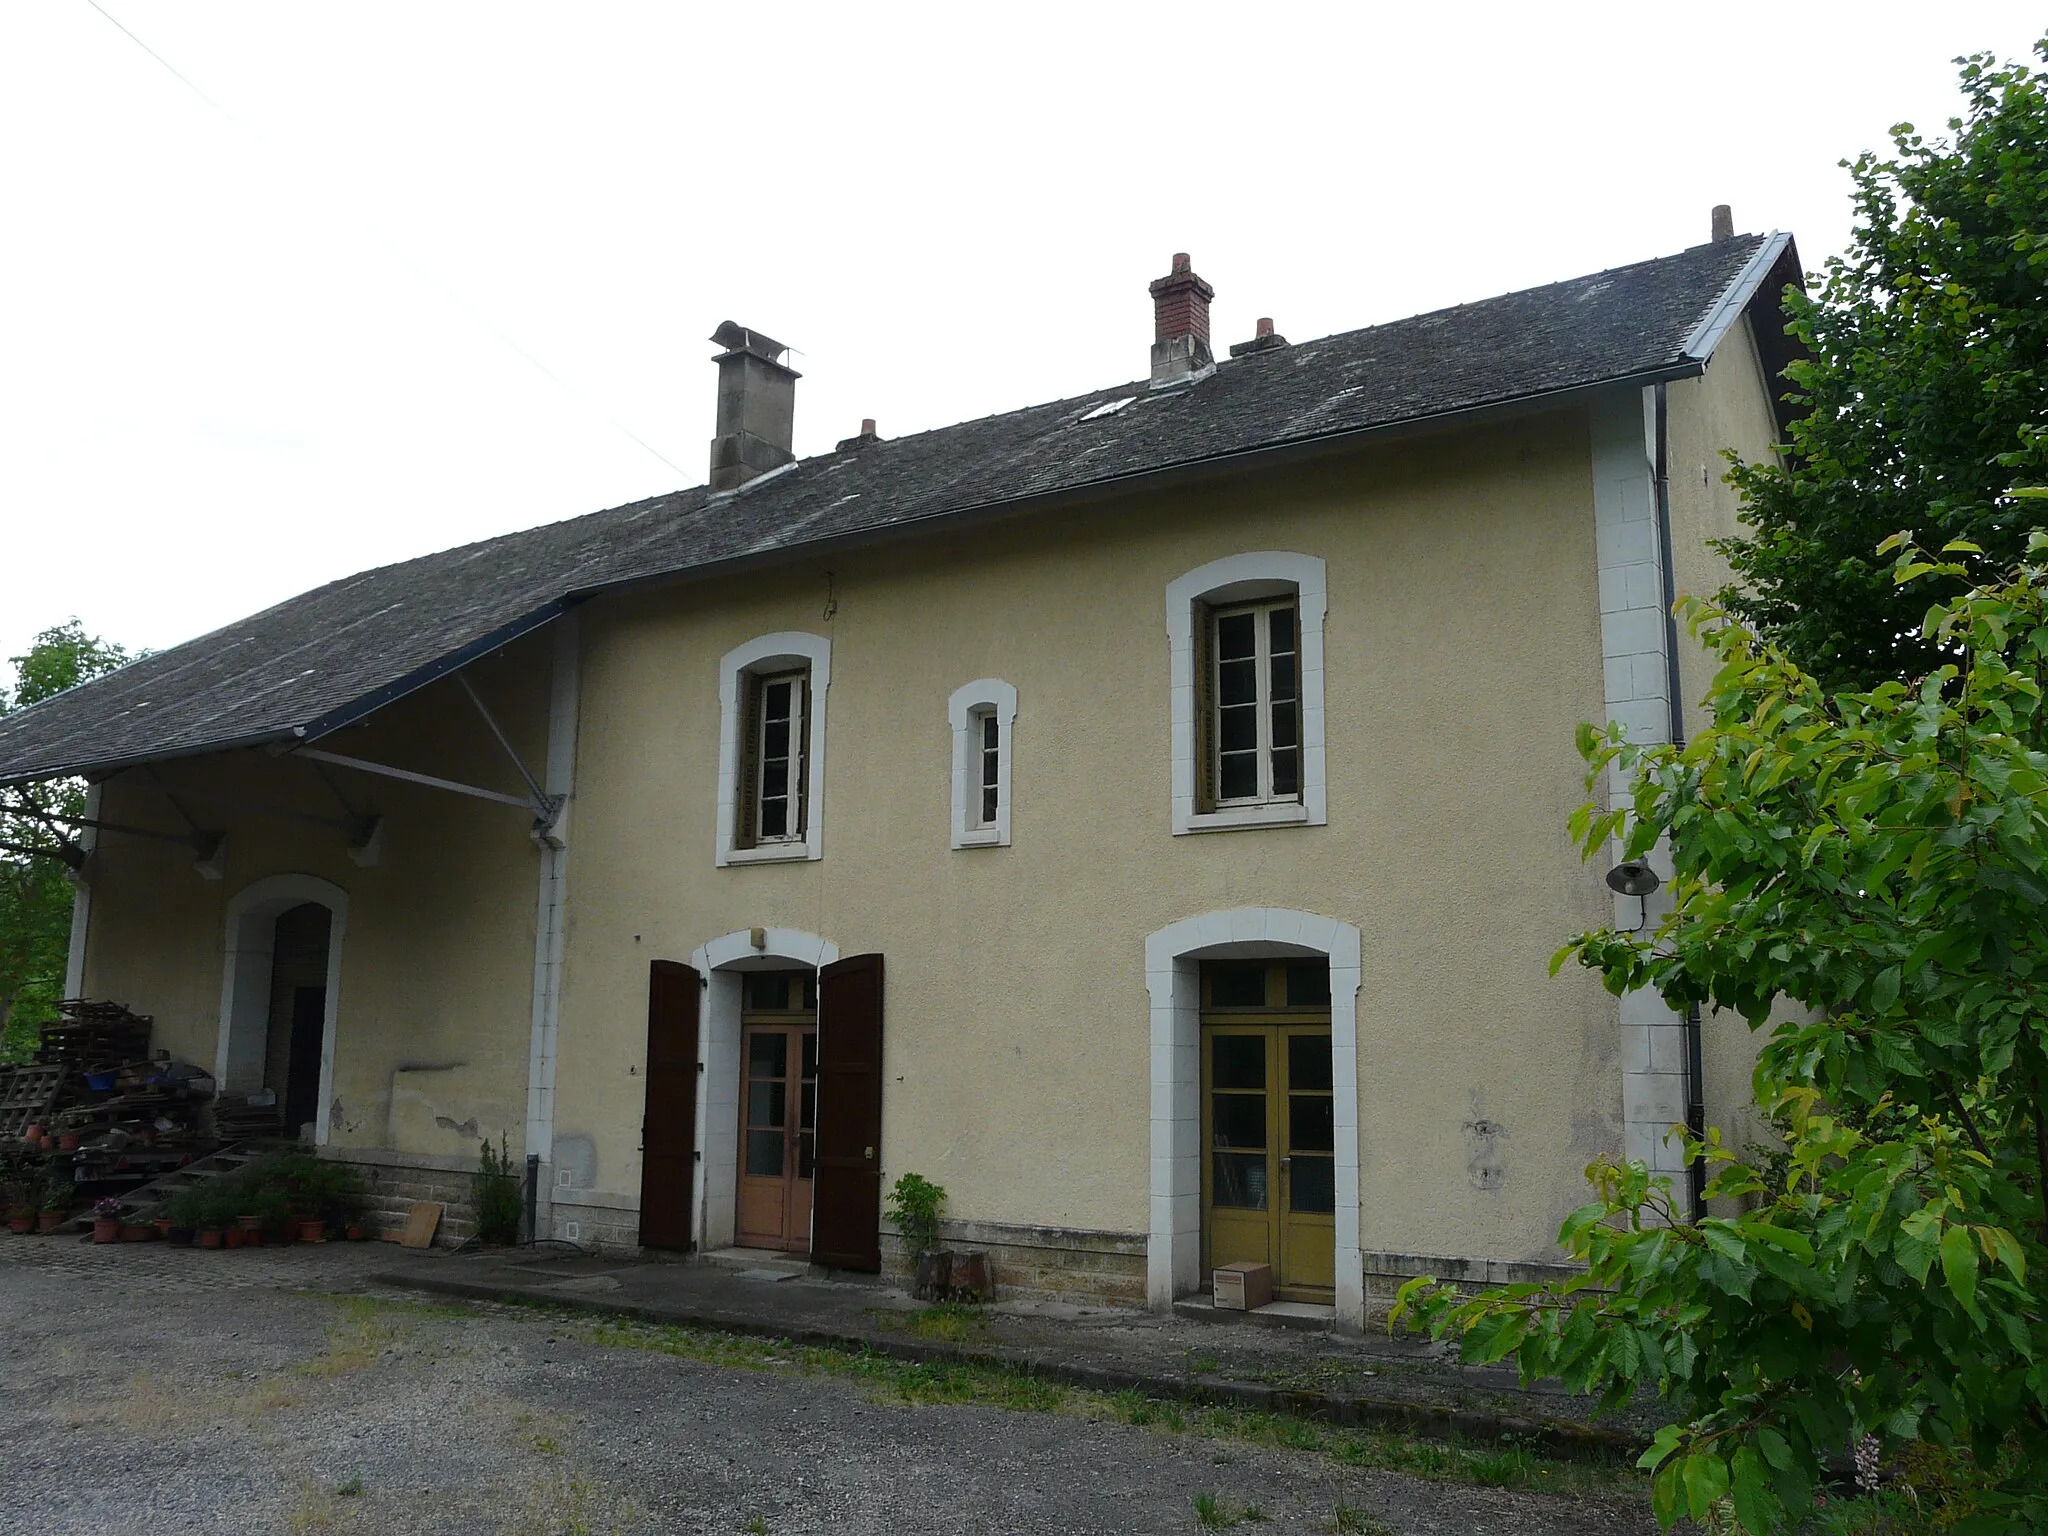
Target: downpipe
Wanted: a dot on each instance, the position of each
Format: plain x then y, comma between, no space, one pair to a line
1695,1094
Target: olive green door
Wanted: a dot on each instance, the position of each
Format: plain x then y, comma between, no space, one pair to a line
1268,1136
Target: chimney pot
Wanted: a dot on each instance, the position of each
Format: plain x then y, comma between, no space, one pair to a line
756,407
867,426
1265,325
1724,222
1180,326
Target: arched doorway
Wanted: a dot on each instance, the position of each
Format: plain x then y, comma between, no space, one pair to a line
280,991
725,963
1181,1020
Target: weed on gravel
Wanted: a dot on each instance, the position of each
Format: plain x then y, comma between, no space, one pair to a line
1506,1465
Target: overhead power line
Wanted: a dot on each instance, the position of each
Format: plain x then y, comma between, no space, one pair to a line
419,273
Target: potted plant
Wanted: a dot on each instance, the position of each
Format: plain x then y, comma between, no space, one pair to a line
106,1219
186,1212
56,1204
914,1205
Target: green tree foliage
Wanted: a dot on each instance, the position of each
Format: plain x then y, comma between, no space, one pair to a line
1880,859
35,898
1926,390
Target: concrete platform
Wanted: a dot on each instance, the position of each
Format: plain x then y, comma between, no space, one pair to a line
1299,1366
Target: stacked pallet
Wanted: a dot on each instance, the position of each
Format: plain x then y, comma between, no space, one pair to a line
95,1037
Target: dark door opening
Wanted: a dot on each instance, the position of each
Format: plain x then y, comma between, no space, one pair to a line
298,1014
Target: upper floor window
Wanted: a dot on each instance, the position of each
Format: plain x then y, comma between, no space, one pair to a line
982,714
773,798
1253,711
772,694
1245,638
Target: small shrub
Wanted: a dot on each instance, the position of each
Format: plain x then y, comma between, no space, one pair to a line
494,1192
915,1205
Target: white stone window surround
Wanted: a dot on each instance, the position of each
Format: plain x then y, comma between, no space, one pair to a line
720,965
784,651
1245,578
987,695
1173,978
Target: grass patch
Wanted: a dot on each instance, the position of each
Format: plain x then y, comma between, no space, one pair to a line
1359,1522
949,1322
888,1380
1215,1514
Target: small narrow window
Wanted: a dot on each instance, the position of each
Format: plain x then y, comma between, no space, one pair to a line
775,792
982,714
1255,717
989,735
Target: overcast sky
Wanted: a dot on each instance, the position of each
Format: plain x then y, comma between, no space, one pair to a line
387,277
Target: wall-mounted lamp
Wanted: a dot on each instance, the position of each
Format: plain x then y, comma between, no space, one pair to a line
1633,878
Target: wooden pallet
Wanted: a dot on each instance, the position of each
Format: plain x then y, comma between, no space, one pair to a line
27,1095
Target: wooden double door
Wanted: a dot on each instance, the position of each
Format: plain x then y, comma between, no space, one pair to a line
1268,1127
778,1110
810,1122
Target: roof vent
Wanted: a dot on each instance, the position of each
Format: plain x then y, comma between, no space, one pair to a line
1724,222
1180,327
860,439
756,407
1265,341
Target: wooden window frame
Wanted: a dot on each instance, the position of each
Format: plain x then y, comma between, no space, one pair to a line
1191,602
1210,724
753,764
744,674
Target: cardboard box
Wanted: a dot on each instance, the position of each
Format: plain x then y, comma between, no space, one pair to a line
1243,1287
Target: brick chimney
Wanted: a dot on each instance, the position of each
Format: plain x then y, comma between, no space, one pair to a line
1180,327
1723,222
756,407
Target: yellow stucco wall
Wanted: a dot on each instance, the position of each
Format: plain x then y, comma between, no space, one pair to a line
1727,407
437,954
1462,645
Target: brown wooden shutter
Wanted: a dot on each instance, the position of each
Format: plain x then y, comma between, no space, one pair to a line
668,1133
1205,707
747,785
846,1200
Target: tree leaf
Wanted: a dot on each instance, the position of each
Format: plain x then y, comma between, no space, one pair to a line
1959,1266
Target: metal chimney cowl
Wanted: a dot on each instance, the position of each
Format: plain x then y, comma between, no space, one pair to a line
756,407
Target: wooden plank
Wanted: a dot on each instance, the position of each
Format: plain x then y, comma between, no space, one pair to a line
421,1222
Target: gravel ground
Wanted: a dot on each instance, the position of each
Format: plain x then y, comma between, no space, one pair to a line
158,1389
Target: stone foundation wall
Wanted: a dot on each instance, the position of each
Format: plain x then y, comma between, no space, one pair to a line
1386,1273
1104,1269
599,1227
397,1182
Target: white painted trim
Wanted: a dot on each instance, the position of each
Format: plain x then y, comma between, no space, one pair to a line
720,964
1635,646
1247,576
551,899
250,933
1174,1254
993,694
81,900
784,650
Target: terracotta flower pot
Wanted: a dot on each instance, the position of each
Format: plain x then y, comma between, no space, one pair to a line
68,1142
355,1232
20,1223
210,1237
252,1231
231,1237
32,1133
106,1231
48,1143
312,1230
134,1232
163,1226
49,1221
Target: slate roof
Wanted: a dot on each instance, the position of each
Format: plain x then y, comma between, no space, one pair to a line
331,655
